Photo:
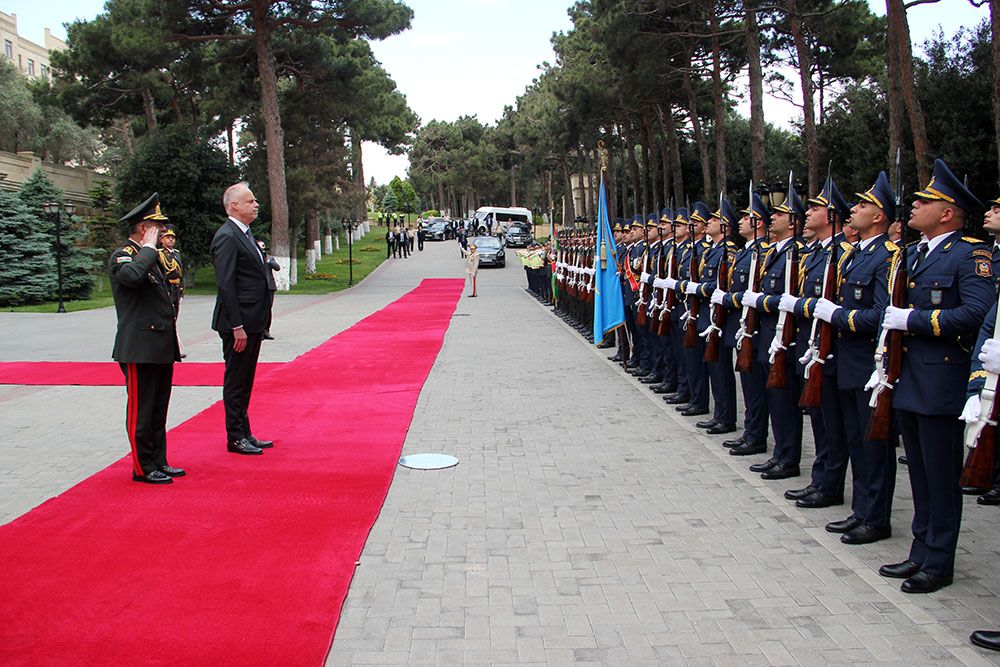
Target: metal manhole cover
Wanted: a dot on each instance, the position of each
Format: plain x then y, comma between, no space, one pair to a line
428,461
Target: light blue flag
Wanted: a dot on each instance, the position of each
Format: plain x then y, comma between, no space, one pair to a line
609,308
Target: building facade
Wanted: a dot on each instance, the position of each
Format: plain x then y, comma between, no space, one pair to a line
31,59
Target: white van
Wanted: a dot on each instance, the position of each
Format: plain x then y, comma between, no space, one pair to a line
501,216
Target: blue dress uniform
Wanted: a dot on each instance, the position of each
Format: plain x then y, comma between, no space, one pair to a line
640,356
693,357
669,361
862,297
950,292
754,437
977,380
782,404
722,379
682,250
655,375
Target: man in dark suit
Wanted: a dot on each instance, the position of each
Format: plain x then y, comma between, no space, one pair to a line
146,341
242,312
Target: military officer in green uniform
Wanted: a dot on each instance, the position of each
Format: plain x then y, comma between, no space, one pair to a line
173,268
146,341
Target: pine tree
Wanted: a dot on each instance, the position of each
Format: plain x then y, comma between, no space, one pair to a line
78,258
27,265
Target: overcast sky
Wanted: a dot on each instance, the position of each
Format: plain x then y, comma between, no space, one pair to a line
473,57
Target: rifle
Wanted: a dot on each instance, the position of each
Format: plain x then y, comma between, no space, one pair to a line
693,303
592,256
718,315
655,323
748,315
644,289
889,351
670,295
777,378
981,435
821,336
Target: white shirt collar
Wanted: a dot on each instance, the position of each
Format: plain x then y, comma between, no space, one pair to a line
780,245
864,243
936,241
243,228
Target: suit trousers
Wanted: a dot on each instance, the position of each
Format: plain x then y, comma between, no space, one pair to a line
148,387
786,417
237,383
723,384
933,445
873,462
752,384
697,371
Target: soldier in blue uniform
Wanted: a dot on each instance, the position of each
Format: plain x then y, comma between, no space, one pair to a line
753,228
693,358
782,403
669,363
654,245
951,289
633,260
829,471
681,250
722,379
620,250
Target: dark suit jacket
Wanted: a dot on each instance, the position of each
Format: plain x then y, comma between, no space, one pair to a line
146,332
241,278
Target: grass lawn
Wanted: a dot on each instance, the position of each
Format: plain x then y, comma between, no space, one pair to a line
332,273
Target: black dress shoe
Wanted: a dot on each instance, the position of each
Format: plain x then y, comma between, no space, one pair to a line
171,471
663,388
706,423
925,582
639,372
902,459
720,429
819,499
154,477
694,412
991,497
682,408
729,444
903,570
267,336
866,534
986,639
973,490
261,444
243,447
844,525
616,358
766,465
677,399
631,364
748,449
797,494
781,471
651,379
605,346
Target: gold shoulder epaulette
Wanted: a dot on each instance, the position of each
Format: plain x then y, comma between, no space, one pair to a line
973,240
130,249
765,245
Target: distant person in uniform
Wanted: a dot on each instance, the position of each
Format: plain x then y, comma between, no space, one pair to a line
242,312
271,285
472,266
146,341
411,237
173,269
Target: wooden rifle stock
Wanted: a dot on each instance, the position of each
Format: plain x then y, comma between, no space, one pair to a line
890,355
812,390
718,317
778,378
644,288
670,296
693,303
748,319
978,470
656,314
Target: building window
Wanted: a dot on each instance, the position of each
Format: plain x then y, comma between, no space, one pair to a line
44,70
8,49
31,67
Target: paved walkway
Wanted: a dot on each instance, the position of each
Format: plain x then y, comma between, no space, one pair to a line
586,522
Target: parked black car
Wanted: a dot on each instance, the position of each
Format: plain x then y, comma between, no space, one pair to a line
436,230
490,251
518,235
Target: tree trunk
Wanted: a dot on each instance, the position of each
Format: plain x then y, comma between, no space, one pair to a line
440,194
720,111
231,142
312,241
995,30
673,146
126,131
633,167
699,138
360,199
665,159
513,186
758,157
147,108
611,177
896,13
569,209
328,233
293,269
274,137
806,84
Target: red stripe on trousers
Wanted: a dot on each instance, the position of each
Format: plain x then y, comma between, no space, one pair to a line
132,415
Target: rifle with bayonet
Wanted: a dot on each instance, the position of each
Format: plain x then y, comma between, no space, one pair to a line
785,331
748,314
981,435
644,288
718,314
656,307
692,303
889,350
821,335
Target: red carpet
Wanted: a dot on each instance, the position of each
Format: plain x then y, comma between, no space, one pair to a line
108,373
247,560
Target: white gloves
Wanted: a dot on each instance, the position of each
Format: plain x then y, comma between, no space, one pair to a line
751,298
645,277
774,347
692,287
872,381
805,358
787,303
825,309
971,411
990,355
660,283
717,296
895,318
671,283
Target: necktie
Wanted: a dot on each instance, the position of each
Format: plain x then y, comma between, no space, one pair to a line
921,254
253,242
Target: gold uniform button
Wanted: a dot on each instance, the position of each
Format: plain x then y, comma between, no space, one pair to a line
946,359
912,284
904,349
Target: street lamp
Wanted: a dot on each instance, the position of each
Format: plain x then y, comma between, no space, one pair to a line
54,209
351,224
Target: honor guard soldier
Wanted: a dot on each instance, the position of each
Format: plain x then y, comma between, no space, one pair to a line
693,351
670,382
682,255
855,315
639,363
950,291
620,249
715,266
782,399
653,249
747,266
173,268
825,215
146,341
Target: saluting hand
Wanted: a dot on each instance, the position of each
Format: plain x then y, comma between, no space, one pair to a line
151,236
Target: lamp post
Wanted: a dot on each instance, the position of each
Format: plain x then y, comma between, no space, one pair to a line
350,251
54,209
